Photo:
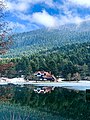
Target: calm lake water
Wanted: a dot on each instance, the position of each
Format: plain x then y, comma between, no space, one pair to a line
42,103
17,112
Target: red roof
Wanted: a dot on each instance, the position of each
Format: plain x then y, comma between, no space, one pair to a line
44,74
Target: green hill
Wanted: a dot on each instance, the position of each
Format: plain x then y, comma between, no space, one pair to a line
45,39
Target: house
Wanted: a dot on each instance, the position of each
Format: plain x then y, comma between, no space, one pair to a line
43,75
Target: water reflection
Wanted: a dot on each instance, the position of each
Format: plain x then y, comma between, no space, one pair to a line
47,102
43,90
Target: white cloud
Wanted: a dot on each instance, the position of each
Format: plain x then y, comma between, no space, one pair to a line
48,2
69,8
16,26
24,5
23,16
70,20
40,18
44,19
13,6
85,3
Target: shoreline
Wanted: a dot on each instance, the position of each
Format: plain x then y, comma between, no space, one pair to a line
80,85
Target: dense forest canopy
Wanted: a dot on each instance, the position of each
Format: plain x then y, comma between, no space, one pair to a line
45,39
66,61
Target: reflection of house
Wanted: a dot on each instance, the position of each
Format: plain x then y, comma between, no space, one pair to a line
43,90
42,75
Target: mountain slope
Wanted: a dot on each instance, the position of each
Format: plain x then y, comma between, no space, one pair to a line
44,39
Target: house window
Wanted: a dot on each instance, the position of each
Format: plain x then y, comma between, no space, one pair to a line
38,74
44,73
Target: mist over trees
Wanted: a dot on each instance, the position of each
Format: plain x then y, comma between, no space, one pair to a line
28,43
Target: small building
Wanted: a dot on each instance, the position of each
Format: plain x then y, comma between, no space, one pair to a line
43,75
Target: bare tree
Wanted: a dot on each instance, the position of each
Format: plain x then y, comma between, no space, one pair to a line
5,38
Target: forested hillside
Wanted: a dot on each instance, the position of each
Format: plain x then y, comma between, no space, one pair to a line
67,61
65,52
45,39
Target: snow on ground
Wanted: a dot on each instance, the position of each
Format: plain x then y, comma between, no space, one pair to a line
16,80
60,79
81,85
13,80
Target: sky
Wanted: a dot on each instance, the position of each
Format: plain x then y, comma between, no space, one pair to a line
27,15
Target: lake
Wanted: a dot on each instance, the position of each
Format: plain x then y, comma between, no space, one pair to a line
42,103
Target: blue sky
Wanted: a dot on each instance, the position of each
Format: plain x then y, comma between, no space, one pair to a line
27,15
